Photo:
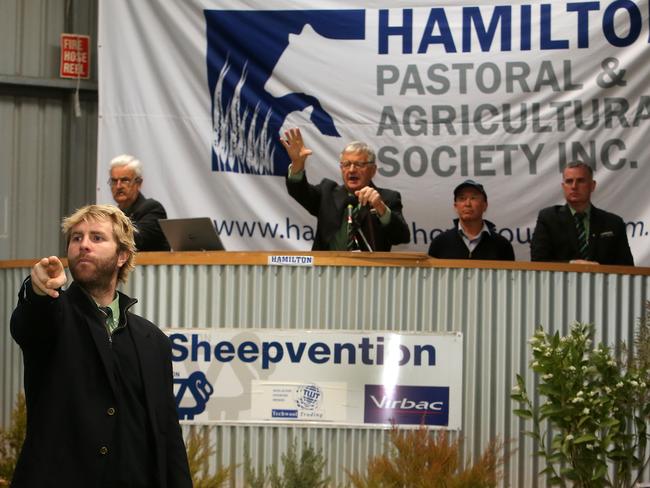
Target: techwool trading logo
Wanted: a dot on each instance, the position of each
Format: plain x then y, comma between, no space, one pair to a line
243,51
308,400
406,405
309,397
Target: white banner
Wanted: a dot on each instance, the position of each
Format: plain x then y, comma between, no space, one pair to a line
201,90
332,377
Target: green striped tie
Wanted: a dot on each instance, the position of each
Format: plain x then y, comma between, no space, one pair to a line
583,246
109,318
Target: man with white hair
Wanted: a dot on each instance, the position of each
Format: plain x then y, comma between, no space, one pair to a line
125,181
354,216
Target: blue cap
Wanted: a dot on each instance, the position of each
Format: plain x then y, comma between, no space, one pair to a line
472,184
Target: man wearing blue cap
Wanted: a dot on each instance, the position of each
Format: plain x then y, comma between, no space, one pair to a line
471,237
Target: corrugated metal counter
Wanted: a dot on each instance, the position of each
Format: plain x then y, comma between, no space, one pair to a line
496,306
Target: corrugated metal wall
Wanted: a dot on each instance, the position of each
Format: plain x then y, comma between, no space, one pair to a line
497,311
47,154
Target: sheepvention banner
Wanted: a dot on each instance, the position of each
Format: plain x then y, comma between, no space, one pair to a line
200,91
341,377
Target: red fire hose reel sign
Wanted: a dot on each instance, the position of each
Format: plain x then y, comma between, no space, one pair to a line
75,56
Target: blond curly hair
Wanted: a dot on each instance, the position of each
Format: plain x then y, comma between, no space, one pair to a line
122,231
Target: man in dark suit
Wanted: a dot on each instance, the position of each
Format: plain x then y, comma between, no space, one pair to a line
472,237
125,181
355,216
578,232
98,379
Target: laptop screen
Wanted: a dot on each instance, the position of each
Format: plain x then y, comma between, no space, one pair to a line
192,234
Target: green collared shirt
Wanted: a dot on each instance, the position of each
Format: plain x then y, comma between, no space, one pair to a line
112,319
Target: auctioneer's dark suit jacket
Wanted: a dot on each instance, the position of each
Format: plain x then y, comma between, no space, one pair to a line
328,200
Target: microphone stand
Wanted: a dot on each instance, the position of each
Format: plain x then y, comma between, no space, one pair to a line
357,229
372,224
365,241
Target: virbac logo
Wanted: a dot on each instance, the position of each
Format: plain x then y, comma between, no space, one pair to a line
403,404
406,404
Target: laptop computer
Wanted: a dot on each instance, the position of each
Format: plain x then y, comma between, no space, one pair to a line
191,234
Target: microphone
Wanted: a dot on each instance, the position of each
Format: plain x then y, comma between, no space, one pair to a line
351,200
352,238
354,201
355,224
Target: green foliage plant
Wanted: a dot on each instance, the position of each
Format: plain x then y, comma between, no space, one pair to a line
252,478
420,458
593,408
11,440
199,452
301,471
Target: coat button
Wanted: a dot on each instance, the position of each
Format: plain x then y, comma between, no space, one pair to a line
103,450
110,411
